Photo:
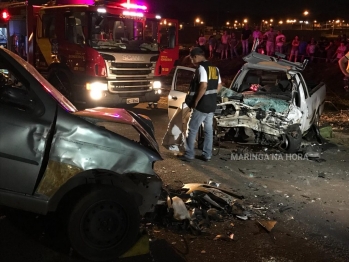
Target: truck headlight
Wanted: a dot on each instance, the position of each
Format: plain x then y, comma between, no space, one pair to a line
96,89
156,85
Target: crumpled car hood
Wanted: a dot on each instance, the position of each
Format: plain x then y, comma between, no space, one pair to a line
123,116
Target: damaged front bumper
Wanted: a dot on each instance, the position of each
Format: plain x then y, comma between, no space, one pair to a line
239,114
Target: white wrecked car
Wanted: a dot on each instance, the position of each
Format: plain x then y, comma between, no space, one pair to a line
268,95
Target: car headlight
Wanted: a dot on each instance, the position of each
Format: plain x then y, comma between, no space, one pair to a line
156,85
96,89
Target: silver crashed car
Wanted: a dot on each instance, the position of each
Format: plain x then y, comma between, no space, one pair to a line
56,158
268,95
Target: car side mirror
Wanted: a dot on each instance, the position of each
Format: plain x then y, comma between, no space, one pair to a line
17,97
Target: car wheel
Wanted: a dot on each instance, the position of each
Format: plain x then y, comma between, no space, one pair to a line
60,81
292,140
103,224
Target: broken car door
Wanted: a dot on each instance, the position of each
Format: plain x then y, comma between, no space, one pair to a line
25,125
301,101
179,89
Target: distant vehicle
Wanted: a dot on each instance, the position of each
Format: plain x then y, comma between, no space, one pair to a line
268,95
54,158
96,53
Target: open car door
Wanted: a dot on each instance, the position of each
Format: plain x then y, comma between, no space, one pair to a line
179,89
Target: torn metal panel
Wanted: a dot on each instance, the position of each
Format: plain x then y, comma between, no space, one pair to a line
148,188
256,118
210,189
175,135
119,115
56,175
88,146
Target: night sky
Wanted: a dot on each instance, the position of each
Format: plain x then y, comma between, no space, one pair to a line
218,11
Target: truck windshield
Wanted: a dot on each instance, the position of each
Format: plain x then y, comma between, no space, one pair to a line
123,34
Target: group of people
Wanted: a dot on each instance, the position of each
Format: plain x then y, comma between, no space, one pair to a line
227,44
271,43
331,51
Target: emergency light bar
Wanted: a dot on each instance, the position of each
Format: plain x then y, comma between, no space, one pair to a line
130,13
133,6
5,15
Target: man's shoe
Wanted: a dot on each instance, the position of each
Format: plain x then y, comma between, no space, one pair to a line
184,158
203,158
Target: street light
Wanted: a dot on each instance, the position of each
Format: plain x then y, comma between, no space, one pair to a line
197,20
334,25
305,13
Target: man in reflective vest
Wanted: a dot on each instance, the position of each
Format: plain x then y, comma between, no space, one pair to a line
202,99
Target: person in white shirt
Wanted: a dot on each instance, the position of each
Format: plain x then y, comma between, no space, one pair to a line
257,34
202,42
280,41
225,42
271,35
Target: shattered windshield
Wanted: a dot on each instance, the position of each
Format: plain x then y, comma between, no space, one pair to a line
123,34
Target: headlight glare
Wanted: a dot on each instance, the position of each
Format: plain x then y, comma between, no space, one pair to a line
156,84
97,86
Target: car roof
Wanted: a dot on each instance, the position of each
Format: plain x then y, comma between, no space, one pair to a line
259,61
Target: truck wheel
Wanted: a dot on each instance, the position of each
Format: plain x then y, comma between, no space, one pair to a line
103,224
292,140
61,82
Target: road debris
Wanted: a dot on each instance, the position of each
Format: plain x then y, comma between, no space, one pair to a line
242,217
222,237
197,208
321,175
267,224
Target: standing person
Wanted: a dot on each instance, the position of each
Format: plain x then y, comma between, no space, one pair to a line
212,44
302,49
344,67
245,36
330,50
294,48
202,42
233,42
340,51
271,35
280,41
257,35
201,99
311,48
225,41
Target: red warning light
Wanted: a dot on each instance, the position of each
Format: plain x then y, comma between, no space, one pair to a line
5,15
133,6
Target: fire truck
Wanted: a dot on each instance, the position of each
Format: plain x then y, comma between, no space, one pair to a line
96,53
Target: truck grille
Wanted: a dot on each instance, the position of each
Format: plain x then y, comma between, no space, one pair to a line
129,85
129,76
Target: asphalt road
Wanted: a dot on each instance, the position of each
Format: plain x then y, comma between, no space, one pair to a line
314,225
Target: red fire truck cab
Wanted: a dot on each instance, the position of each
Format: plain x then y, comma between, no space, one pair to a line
96,54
